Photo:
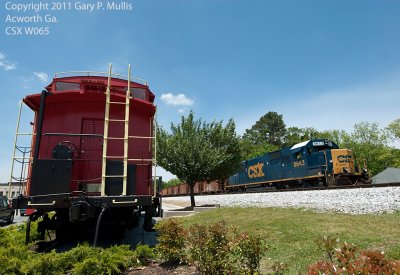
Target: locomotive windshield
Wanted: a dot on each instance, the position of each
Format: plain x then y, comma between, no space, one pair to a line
324,144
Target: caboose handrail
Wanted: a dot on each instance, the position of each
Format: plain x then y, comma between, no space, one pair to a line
94,73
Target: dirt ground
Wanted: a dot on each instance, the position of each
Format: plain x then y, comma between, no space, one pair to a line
162,269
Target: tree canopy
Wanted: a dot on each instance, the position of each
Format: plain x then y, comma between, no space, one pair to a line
197,151
394,129
270,129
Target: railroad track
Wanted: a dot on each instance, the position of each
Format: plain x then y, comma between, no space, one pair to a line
274,190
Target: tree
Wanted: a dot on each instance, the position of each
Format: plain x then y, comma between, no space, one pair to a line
197,151
369,144
296,135
394,129
336,136
269,128
250,150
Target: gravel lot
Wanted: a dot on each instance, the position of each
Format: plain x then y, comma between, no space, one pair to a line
352,201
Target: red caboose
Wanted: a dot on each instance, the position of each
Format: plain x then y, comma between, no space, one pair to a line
91,151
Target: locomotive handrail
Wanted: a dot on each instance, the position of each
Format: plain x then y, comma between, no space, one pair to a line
94,73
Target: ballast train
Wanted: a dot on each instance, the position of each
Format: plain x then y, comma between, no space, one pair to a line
317,162
91,154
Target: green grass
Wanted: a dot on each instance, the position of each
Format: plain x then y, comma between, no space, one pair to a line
291,233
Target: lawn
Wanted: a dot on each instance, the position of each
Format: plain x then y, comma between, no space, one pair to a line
291,233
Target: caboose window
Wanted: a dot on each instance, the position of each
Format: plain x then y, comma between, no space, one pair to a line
67,86
138,93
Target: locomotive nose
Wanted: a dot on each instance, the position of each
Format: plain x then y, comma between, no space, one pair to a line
343,161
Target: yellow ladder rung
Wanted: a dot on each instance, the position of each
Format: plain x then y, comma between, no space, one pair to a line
114,176
114,157
140,137
117,138
117,102
119,120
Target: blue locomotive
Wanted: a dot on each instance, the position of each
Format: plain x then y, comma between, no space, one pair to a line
316,162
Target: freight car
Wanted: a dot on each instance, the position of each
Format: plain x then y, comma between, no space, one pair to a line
317,162
91,154
199,188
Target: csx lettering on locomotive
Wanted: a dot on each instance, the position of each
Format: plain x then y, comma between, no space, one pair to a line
344,158
256,171
298,163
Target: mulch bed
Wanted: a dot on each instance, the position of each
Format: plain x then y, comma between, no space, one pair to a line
163,269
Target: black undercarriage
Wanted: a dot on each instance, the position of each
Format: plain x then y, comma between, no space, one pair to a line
67,214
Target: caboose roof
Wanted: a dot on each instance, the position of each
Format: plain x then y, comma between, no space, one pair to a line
92,84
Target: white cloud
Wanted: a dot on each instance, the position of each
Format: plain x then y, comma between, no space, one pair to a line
6,64
176,100
42,76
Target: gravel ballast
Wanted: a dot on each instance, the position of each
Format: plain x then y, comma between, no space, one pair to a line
351,201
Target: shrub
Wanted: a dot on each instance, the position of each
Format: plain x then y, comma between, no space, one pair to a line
215,249
17,258
144,254
344,258
211,248
43,264
113,260
249,250
171,241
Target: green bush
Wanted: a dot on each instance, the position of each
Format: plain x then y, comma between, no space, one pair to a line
17,258
345,258
249,250
210,248
214,249
144,254
171,241
113,260
43,264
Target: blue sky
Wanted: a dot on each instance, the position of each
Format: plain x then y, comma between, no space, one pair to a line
321,64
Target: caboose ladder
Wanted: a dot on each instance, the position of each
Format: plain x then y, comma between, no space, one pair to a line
107,120
23,160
